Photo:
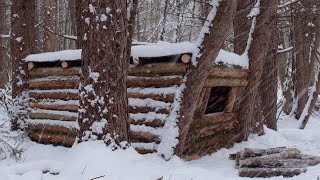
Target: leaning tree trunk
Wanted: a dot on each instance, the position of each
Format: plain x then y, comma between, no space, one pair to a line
22,44
103,102
209,48
257,54
242,25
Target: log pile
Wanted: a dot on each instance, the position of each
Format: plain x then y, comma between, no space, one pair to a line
280,161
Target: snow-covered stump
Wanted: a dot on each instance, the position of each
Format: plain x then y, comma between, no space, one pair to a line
280,161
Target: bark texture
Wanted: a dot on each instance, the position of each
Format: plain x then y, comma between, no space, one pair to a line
103,92
197,75
3,59
269,86
22,44
242,25
257,54
48,44
302,42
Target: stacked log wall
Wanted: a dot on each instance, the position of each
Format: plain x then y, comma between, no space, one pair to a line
151,91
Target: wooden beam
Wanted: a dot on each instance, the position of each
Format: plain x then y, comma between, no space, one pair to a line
144,137
43,115
64,107
154,81
55,139
154,123
51,129
53,71
232,95
54,84
158,69
30,65
158,97
269,172
146,109
229,72
232,82
212,119
54,95
185,58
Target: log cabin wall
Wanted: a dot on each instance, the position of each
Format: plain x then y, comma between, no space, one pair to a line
152,84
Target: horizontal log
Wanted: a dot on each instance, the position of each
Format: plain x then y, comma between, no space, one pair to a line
55,139
42,115
211,119
207,145
54,84
144,137
30,65
276,163
231,82
154,81
53,71
185,58
158,97
64,107
210,130
131,82
145,151
294,153
270,172
256,152
158,69
54,95
133,109
52,129
229,72
154,123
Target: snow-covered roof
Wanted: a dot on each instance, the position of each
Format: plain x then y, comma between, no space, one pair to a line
145,50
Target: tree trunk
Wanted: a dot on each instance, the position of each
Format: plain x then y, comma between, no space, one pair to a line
269,86
242,25
48,25
302,43
103,92
257,53
209,48
3,59
22,44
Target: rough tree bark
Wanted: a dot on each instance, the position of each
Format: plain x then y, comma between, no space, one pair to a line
196,75
242,25
103,102
48,43
3,62
269,86
302,43
22,44
257,54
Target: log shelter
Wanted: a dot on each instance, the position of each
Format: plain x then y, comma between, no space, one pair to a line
152,83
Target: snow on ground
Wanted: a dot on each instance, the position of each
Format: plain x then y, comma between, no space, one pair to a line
93,159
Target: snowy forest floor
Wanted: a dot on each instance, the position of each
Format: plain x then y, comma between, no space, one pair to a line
93,160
